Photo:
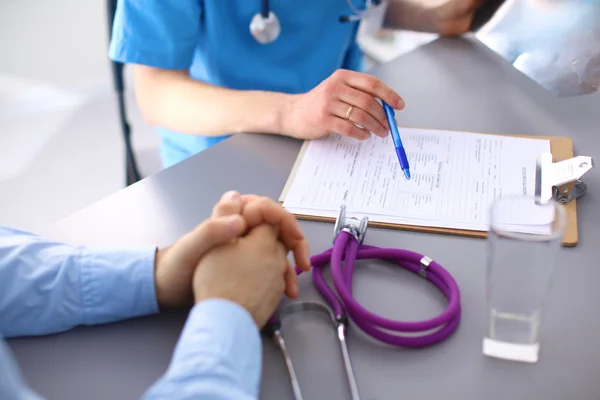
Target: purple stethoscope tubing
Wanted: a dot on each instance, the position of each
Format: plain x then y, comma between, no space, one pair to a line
342,256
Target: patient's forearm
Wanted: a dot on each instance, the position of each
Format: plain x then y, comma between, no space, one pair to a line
173,100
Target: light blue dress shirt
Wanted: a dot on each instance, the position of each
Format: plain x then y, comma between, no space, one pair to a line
48,287
211,39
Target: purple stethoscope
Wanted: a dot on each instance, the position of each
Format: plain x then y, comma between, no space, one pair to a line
349,234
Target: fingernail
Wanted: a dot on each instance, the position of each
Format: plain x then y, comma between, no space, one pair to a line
232,196
400,104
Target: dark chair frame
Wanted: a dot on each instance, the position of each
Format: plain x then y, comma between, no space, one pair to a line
131,170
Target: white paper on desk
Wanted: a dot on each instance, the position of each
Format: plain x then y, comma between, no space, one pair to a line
455,178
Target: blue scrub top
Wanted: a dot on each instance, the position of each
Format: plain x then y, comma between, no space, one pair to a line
212,39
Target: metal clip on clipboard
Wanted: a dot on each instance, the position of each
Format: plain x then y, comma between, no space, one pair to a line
561,180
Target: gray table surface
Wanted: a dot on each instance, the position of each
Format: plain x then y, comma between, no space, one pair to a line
451,84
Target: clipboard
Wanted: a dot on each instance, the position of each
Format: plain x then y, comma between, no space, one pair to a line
561,149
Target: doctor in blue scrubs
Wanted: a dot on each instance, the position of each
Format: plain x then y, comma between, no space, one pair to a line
200,74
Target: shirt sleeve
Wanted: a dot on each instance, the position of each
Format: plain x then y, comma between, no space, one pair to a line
157,33
218,356
48,287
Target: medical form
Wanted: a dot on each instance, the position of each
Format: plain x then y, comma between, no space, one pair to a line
455,178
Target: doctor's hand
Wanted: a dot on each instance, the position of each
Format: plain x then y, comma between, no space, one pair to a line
249,271
338,104
258,210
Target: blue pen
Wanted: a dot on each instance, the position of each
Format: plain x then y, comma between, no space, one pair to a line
389,112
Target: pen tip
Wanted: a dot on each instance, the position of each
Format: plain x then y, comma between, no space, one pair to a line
407,173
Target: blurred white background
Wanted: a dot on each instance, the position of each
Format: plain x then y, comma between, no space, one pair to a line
60,139
60,143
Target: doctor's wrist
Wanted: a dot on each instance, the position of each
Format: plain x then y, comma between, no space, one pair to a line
288,110
277,108
258,111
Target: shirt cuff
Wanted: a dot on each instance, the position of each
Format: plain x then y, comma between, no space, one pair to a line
220,340
116,285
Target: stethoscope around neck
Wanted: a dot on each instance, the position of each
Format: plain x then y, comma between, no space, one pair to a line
265,26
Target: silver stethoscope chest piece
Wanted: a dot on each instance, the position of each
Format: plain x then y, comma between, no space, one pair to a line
265,26
265,30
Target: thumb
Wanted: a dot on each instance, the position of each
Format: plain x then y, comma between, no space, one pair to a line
208,235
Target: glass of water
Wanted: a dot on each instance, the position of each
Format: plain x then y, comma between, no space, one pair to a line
524,239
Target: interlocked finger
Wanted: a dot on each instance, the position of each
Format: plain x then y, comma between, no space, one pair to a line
231,203
264,210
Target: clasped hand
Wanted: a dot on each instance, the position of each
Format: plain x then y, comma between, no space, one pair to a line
239,254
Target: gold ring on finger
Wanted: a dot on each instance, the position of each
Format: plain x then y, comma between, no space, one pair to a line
349,112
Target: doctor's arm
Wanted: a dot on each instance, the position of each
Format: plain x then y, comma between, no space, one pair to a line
159,38
172,99
445,17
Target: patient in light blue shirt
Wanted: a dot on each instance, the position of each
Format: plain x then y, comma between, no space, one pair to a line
48,287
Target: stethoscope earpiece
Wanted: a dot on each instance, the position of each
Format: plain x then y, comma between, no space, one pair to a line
265,30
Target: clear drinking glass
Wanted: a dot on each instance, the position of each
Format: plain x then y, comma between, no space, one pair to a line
524,239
